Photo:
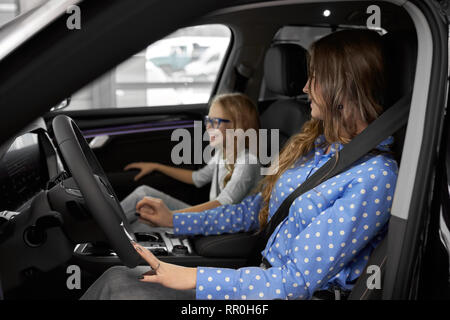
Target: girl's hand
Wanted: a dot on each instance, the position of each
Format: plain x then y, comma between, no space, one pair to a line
169,275
155,211
144,167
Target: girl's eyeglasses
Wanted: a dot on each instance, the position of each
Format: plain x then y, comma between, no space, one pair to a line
214,122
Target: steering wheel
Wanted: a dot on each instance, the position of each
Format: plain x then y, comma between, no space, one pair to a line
98,194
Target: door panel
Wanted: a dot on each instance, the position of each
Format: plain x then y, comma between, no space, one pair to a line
140,134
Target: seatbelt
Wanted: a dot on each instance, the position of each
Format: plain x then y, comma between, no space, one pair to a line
387,124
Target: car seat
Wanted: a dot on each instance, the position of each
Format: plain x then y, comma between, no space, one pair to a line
285,73
400,51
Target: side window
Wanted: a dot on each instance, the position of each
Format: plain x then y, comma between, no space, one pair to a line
179,69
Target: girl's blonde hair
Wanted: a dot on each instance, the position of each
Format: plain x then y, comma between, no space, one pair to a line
244,115
348,66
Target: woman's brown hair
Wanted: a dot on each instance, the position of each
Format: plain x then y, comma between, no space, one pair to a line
244,115
347,69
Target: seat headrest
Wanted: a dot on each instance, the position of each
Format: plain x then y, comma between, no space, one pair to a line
285,69
400,55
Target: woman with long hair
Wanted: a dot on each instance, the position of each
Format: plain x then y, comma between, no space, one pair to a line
330,231
233,171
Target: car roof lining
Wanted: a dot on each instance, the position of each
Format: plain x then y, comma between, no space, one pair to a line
310,13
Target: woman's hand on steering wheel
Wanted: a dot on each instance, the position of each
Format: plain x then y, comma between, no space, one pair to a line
166,274
155,211
144,167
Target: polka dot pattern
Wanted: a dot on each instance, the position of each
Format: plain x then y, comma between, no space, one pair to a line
325,240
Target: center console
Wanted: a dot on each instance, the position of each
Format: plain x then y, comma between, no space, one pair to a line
161,242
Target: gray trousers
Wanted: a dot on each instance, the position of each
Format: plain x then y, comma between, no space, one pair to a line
121,283
130,202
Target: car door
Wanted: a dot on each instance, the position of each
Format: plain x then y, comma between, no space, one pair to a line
130,114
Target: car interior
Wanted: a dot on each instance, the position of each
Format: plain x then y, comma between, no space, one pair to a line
48,216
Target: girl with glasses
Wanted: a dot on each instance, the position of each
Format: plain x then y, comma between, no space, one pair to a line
233,171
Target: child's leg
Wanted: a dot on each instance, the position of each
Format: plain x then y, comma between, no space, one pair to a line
130,202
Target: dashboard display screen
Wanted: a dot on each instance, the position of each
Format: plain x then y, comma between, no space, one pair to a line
22,172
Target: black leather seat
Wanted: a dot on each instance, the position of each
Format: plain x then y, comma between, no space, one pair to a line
400,63
285,73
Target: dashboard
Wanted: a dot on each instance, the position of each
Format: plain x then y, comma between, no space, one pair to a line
27,163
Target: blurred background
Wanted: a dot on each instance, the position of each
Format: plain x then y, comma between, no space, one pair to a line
179,69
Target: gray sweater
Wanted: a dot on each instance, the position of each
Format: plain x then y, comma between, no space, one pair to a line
246,175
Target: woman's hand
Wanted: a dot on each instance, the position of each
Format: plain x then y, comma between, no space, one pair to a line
144,167
155,211
169,275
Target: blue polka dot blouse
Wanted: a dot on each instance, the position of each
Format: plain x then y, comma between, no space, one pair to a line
325,240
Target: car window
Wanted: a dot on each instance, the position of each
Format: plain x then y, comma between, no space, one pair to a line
179,69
